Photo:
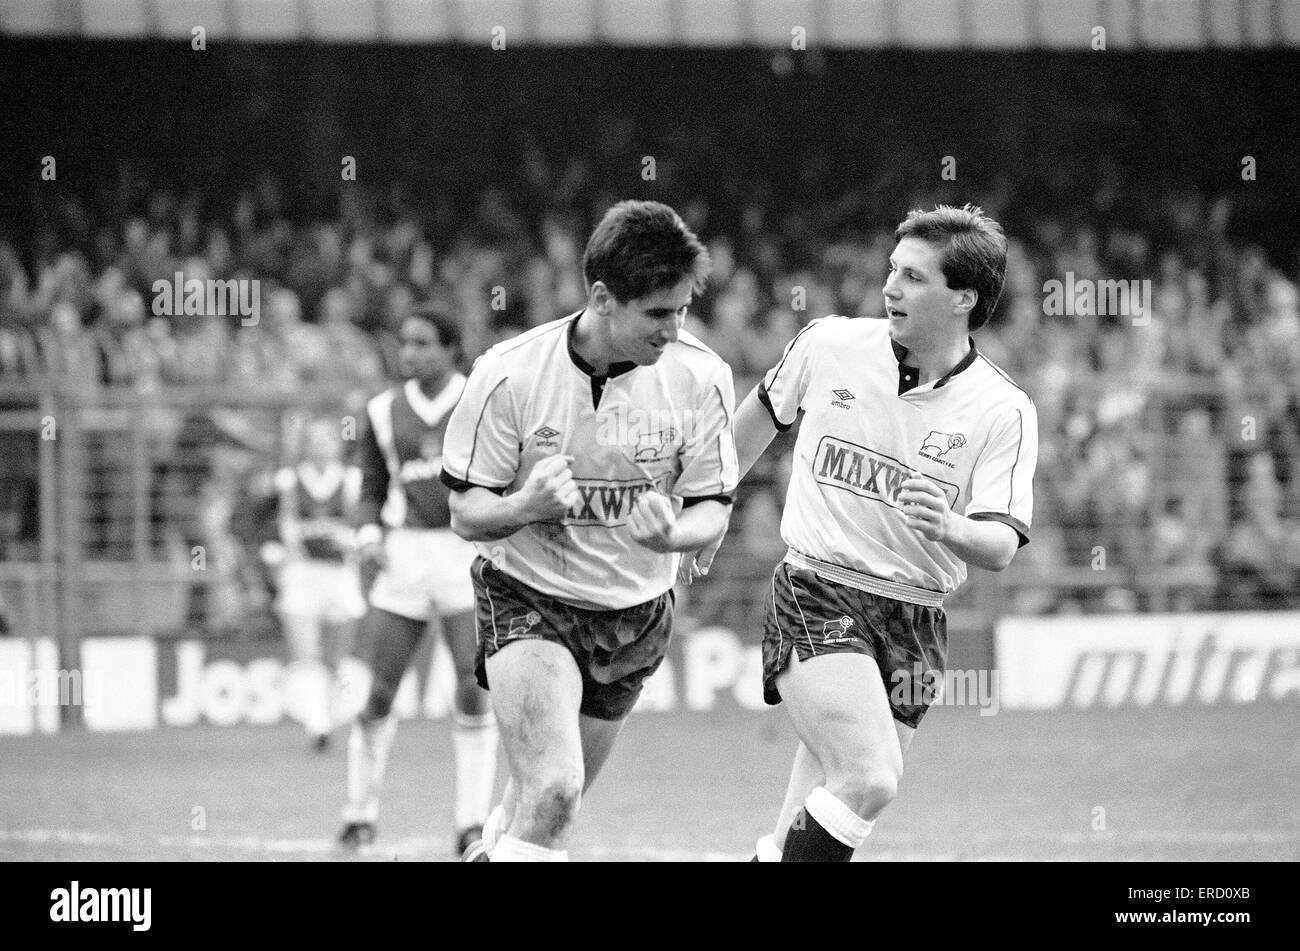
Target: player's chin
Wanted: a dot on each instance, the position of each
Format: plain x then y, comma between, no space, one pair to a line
651,354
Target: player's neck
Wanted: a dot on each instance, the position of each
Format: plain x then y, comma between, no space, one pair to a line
934,361
432,386
591,341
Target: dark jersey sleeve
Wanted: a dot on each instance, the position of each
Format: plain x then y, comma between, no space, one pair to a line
374,474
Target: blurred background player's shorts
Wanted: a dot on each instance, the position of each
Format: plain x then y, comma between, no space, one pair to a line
427,573
328,590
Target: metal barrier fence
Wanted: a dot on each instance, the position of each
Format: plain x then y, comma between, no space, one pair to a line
139,513
148,510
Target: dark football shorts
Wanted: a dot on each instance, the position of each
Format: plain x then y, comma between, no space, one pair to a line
813,616
615,650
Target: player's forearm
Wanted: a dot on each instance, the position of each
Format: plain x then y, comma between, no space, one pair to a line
479,515
754,431
700,525
365,512
286,524
290,536
984,544
370,501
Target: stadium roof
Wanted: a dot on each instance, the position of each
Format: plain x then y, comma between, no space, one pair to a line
844,24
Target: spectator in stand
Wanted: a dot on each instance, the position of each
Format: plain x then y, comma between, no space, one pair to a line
276,351
127,354
203,351
304,345
19,357
352,354
68,351
1224,319
1261,558
19,498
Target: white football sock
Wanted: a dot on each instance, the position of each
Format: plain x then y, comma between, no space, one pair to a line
510,849
368,748
837,818
356,809
310,686
474,744
492,829
766,849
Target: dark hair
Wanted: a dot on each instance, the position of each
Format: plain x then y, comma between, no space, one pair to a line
974,251
641,247
447,327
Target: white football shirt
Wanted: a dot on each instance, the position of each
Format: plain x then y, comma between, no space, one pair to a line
866,428
665,426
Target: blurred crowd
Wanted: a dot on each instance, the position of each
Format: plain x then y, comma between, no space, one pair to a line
1169,470
1170,435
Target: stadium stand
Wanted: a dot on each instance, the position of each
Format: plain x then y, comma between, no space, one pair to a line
1169,475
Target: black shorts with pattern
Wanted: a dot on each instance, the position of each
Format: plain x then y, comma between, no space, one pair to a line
814,616
615,650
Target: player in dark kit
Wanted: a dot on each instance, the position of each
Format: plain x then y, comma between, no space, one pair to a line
915,457
319,591
423,570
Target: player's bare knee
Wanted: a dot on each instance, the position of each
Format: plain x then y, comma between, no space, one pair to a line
553,801
867,790
560,794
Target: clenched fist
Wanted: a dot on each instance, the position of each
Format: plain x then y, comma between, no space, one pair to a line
549,492
925,509
652,522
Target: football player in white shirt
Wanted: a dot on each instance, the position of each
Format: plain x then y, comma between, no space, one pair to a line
915,457
583,457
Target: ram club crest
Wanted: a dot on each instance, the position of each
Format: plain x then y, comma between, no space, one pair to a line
837,629
655,446
937,443
521,625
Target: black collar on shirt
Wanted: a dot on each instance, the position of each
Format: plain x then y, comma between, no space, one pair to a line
598,380
909,375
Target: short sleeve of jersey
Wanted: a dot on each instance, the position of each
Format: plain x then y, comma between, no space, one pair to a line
481,446
711,468
369,459
783,387
1002,484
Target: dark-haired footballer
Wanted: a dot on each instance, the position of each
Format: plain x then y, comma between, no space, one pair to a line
915,457
584,457
423,571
